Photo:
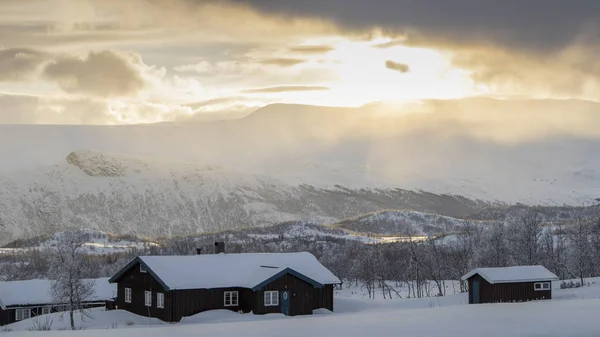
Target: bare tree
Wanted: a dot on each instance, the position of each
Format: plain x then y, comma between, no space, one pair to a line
67,265
525,233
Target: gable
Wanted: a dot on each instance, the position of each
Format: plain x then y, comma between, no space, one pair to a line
284,272
132,269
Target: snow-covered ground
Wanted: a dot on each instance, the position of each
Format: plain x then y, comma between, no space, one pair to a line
572,312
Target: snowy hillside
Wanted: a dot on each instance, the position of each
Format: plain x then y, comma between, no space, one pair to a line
518,153
126,195
405,223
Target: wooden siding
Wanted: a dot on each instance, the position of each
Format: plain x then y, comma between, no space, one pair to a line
8,316
507,292
140,282
301,296
193,301
323,298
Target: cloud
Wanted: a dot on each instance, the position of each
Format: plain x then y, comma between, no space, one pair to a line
286,88
29,109
540,25
104,74
311,49
400,67
20,63
282,62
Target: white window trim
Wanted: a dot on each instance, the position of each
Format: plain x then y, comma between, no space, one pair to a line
160,300
25,314
142,269
271,298
231,294
46,310
148,298
543,286
127,295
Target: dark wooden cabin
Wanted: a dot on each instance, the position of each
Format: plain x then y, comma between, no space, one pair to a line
509,284
21,300
173,287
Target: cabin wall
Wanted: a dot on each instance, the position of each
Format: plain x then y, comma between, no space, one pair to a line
323,298
507,292
301,296
8,316
193,301
139,283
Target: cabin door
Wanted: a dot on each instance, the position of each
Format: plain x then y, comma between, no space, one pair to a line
285,302
475,291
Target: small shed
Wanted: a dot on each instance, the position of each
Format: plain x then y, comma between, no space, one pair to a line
509,284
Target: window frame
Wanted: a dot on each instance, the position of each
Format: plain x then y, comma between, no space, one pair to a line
22,317
160,300
147,298
543,286
128,295
231,294
46,310
269,294
142,269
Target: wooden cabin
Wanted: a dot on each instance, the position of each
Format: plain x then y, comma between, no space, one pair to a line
21,300
172,287
509,284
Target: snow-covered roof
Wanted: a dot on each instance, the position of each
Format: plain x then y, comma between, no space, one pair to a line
513,274
38,292
248,270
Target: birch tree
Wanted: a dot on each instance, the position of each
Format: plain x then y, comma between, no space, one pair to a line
67,265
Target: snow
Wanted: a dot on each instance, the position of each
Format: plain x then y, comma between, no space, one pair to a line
572,312
38,291
513,274
233,270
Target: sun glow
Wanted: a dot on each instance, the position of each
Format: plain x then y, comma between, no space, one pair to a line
366,72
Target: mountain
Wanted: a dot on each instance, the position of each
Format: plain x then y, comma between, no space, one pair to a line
128,195
531,151
403,223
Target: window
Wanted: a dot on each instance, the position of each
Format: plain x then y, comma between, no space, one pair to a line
46,310
127,295
148,298
21,314
142,269
160,300
271,298
541,286
231,298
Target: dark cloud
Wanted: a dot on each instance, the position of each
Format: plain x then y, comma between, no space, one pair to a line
313,49
105,74
20,63
530,24
286,88
400,67
282,62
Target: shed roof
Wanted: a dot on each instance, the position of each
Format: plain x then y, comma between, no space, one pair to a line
38,291
513,274
248,270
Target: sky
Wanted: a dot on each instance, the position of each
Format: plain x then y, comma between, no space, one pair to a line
144,61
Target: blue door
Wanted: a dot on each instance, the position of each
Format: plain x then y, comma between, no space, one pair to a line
285,302
475,291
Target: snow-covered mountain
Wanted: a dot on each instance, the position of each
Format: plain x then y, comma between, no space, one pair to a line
122,194
533,152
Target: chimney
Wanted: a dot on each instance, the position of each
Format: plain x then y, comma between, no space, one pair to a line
219,247
198,251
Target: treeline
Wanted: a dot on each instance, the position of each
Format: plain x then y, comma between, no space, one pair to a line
569,249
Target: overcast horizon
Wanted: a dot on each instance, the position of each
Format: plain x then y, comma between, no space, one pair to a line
117,62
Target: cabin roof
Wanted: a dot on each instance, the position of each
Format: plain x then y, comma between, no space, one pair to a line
247,270
513,274
38,291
